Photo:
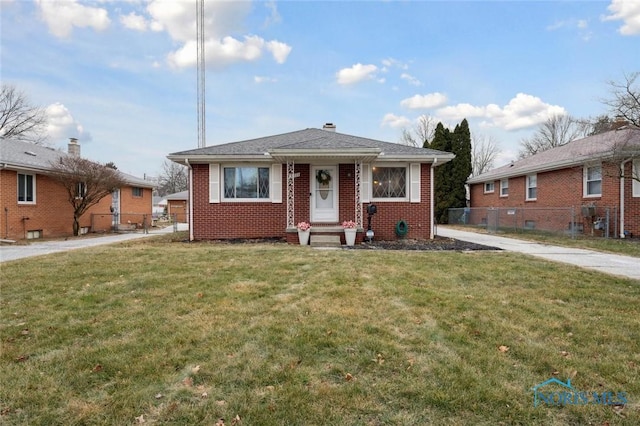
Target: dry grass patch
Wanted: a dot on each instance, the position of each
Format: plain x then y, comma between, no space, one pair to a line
190,333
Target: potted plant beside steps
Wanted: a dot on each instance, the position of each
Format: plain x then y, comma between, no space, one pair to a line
304,230
350,230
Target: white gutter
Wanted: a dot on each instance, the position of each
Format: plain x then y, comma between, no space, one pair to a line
190,194
435,160
622,197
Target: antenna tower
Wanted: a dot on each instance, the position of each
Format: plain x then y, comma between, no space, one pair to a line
202,128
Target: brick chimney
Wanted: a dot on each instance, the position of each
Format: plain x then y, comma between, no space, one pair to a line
329,126
74,147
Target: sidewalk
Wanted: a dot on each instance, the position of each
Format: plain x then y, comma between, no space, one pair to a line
14,252
613,264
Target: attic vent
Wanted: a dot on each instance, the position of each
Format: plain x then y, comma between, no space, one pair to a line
30,153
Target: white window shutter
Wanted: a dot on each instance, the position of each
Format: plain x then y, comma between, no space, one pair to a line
276,183
214,183
414,178
365,183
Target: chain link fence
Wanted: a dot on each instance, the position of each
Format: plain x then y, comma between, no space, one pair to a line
570,221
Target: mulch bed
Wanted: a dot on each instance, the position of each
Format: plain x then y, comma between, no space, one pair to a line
437,244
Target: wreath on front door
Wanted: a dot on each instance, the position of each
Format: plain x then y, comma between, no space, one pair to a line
323,177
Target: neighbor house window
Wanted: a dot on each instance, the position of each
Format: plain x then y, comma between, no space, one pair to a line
489,187
136,192
532,187
26,188
81,190
246,183
504,187
592,181
389,182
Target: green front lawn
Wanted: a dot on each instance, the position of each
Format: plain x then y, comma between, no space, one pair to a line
168,332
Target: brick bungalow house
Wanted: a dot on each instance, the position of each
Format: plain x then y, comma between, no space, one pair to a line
593,172
261,188
32,205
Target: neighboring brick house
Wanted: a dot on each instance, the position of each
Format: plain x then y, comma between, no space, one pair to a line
596,171
177,206
33,205
261,188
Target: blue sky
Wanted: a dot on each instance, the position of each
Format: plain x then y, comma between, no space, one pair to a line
121,75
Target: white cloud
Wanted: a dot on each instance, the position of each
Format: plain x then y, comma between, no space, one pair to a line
356,73
431,100
410,79
521,112
62,16
261,79
62,125
395,121
133,21
628,12
280,51
220,20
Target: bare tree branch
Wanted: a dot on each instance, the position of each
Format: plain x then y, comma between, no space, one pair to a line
421,133
625,98
483,154
556,131
172,179
18,119
85,182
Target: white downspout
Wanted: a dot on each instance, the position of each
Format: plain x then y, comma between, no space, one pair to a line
433,166
622,197
186,161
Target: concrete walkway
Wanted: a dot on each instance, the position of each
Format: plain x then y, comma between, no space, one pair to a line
614,264
14,252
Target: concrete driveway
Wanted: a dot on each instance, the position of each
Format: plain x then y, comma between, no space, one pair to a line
14,252
614,264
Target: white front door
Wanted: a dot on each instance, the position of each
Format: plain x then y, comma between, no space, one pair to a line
324,194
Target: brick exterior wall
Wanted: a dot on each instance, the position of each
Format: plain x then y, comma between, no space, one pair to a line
564,188
52,214
230,220
178,208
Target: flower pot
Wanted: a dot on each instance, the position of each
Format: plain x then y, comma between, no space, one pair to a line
303,237
350,236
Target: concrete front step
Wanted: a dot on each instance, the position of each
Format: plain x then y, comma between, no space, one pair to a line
325,240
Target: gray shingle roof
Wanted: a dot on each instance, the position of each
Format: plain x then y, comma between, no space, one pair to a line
574,153
307,139
38,158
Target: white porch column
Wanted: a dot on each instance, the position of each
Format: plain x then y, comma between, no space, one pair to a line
290,195
358,197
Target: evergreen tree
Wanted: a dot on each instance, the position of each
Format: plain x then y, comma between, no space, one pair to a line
450,178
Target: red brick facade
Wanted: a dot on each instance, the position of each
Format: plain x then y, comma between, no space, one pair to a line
230,220
52,215
565,188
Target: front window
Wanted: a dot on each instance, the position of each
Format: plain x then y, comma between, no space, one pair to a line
504,187
389,182
81,190
26,188
246,182
532,187
489,187
593,181
136,192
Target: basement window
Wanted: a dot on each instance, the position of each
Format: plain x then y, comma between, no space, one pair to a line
34,234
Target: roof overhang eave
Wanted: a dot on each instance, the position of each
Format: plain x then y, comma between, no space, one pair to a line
573,162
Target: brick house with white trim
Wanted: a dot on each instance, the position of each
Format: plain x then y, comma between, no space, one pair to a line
33,205
597,171
261,188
